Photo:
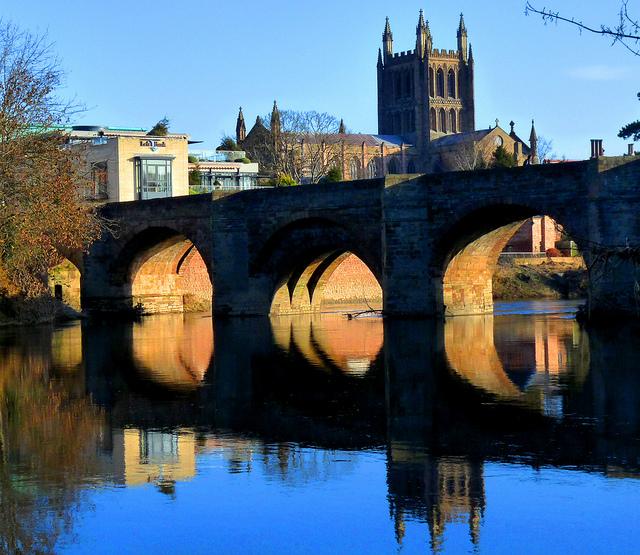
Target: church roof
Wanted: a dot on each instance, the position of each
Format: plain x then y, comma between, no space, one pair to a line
356,139
370,140
448,141
459,138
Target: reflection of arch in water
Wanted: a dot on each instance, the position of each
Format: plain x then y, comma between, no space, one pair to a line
330,341
471,353
173,350
517,357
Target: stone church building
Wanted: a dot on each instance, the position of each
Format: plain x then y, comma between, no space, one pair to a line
426,118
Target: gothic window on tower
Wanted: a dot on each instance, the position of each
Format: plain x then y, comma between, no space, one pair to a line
443,120
453,121
407,82
431,83
354,168
440,82
398,81
397,123
432,119
452,83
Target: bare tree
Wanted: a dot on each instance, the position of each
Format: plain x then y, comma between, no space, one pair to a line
545,149
307,146
470,156
626,30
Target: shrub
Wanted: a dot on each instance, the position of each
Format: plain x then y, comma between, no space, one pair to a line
333,175
553,252
284,180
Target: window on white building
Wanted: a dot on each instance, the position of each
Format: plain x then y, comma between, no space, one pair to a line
153,178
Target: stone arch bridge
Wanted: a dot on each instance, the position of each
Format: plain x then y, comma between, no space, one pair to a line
432,241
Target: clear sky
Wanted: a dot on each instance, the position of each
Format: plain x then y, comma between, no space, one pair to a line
132,62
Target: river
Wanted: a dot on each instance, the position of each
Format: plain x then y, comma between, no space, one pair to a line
512,433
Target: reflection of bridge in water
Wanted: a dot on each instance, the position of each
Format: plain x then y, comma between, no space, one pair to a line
441,397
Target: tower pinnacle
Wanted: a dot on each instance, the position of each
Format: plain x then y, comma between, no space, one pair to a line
241,129
387,40
275,120
462,28
422,37
421,24
533,145
462,39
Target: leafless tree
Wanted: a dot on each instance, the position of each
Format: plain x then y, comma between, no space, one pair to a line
545,149
308,145
626,30
471,156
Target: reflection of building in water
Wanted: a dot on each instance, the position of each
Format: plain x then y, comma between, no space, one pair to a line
150,456
438,491
174,349
331,339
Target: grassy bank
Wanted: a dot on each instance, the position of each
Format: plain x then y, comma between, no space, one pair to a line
549,280
17,311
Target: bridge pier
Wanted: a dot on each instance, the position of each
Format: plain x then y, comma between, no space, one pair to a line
614,285
468,280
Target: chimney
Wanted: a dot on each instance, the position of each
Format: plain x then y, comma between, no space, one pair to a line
630,151
596,148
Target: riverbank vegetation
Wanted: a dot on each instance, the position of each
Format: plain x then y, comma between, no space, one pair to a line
42,214
548,280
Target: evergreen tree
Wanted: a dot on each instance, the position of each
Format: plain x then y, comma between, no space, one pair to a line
631,129
227,143
502,159
333,175
160,129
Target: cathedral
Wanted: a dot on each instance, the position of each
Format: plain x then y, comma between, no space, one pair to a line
426,120
426,92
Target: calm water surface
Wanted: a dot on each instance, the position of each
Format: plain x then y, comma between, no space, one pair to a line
513,433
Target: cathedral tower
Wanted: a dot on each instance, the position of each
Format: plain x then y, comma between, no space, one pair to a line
426,92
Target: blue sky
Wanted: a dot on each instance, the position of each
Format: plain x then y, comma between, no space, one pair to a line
133,62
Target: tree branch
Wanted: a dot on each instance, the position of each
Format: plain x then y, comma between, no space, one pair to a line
627,30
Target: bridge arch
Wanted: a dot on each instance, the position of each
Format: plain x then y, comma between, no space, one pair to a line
64,281
161,270
466,256
300,258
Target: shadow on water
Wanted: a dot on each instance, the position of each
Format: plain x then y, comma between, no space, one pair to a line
138,403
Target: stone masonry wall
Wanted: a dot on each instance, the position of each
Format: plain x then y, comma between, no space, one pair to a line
195,283
353,283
